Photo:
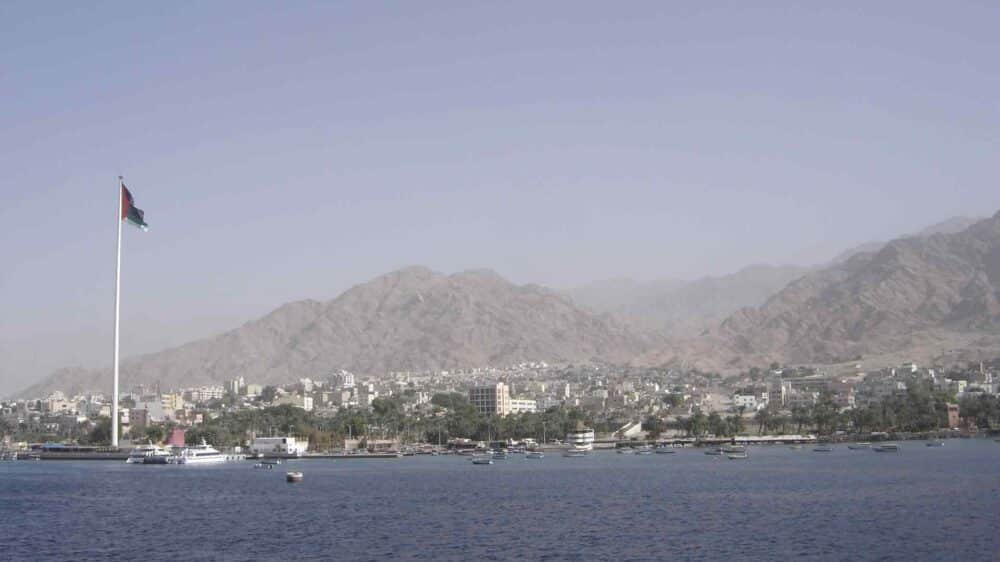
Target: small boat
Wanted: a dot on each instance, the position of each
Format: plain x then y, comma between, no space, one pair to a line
534,455
886,448
795,447
665,450
575,453
823,449
737,455
482,460
626,451
293,477
859,446
500,455
935,443
734,449
717,451
645,450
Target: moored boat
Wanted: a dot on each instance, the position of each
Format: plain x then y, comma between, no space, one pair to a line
935,443
534,455
715,451
293,477
581,438
665,450
482,460
886,448
139,454
823,449
201,454
859,446
737,455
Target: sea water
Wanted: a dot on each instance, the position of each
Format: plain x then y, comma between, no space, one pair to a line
919,504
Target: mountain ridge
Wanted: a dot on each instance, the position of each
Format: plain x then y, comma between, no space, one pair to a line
409,319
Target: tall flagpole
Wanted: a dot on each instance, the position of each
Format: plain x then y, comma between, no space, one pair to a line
118,277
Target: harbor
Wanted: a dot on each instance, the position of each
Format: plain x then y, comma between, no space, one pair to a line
636,496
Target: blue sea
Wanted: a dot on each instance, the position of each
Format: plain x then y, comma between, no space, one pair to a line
920,504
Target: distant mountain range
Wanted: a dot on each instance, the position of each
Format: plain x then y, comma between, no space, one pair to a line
412,319
926,293
685,308
933,294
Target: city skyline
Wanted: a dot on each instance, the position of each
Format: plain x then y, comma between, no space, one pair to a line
292,154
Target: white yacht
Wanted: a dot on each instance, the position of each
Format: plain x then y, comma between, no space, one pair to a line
139,454
580,439
201,454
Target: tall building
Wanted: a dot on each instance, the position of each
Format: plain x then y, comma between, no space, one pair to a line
491,400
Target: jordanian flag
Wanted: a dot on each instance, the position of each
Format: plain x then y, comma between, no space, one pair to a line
130,211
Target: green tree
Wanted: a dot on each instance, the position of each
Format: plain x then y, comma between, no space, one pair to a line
154,434
763,419
673,400
653,426
824,413
734,424
101,433
697,423
717,425
801,417
268,394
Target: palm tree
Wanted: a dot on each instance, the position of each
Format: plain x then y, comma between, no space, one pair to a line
763,418
800,416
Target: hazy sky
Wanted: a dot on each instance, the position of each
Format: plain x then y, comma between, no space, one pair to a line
289,151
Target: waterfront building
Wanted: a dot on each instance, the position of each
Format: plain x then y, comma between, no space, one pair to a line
279,446
492,400
523,405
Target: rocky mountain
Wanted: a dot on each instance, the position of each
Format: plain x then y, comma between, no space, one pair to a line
933,293
683,309
686,308
412,319
947,226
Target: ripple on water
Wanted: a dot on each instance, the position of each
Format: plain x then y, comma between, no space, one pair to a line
925,503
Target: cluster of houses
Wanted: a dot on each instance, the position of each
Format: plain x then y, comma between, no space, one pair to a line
622,391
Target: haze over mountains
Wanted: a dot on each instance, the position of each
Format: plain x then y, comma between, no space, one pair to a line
925,294
932,294
686,308
411,319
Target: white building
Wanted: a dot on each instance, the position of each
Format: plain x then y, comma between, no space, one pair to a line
523,405
279,446
750,401
493,400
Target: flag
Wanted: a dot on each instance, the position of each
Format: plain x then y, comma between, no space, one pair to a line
130,211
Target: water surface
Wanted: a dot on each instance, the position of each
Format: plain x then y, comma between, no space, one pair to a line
920,504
